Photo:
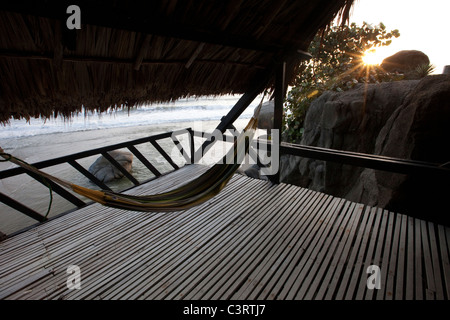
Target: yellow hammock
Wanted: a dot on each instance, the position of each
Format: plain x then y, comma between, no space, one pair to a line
184,197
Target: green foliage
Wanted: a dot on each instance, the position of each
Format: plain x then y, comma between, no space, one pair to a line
337,65
424,70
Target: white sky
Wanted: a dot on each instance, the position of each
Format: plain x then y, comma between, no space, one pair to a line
423,25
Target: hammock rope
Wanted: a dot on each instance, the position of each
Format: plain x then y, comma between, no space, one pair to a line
189,195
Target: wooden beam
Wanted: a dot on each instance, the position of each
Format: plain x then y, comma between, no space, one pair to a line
195,55
75,59
142,51
248,97
402,166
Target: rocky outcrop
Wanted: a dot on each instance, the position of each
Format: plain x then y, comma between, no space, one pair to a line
446,70
350,121
417,130
405,119
405,62
103,170
265,117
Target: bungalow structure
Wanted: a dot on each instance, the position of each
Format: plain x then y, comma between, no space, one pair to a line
255,239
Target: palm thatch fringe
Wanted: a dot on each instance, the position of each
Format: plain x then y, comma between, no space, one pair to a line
133,53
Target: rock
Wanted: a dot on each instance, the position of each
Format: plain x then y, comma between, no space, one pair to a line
446,70
103,170
405,119
405,62
265,118
343,121
253,172
417,130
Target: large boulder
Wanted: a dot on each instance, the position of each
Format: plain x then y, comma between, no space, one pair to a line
350,121
103,170
446,70
417,130
405,119
265,118
405,62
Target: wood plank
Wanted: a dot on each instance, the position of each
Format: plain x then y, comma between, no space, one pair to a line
358,270
335,283
326,257
157,282
370,256
370,294
409,291
242,237
278,253
419,279
254,254
384,266
251,241
343,286
445,259
24,282
308,211
266,270
317,199
393,259
130,261
77,231
321,231
436,262
430,288
400,286
316,215
346,234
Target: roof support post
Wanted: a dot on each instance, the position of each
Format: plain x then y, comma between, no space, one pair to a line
228,120
279,95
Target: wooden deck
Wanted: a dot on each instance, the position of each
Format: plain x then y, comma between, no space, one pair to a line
252,241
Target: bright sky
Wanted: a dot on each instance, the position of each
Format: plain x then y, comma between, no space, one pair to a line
423,25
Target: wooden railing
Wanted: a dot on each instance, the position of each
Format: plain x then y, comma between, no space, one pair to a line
344,157
73,160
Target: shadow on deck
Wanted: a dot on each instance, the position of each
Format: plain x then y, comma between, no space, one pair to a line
252,241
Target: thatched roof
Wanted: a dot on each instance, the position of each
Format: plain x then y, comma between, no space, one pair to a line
130,53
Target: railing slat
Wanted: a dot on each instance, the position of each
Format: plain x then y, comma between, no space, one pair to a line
89,175
164,154
84,154
120,168
144,160
376,162
181,149
59,190
21,208
192,145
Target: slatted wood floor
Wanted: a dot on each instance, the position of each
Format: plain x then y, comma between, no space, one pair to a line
252,241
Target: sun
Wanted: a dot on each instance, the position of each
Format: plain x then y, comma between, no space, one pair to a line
372,57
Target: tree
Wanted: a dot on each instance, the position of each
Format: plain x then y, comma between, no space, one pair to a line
336,64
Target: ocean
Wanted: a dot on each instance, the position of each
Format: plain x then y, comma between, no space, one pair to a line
39,140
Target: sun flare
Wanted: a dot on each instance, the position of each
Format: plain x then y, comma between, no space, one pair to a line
372,57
